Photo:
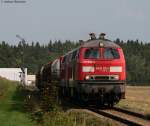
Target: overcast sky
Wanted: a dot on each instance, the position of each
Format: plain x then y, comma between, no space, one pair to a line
42,20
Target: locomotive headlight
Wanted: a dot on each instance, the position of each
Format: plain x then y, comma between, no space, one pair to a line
116,69
88,69
116,77
101,44
87,77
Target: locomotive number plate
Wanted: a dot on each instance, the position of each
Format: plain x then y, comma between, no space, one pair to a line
102,69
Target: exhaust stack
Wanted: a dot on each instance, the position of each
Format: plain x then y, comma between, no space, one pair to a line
102,36
92,35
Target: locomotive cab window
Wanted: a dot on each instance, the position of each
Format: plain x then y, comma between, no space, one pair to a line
92,53
110,53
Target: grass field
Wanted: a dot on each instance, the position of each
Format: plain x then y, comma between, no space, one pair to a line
11,105
13,113
137,99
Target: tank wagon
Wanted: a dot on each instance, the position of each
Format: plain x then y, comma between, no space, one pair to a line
47,73
95,72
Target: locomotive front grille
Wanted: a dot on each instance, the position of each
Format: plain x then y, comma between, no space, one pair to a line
101,78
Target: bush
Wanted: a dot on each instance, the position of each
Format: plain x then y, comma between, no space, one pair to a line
48,98
45,110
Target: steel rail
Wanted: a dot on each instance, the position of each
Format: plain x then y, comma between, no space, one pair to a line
139,115
114,117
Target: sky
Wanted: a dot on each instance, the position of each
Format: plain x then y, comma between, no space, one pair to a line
44,20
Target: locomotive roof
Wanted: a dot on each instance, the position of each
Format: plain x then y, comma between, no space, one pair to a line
96,43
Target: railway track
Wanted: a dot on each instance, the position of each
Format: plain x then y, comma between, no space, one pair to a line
123,116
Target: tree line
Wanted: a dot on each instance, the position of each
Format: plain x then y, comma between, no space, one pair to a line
34,55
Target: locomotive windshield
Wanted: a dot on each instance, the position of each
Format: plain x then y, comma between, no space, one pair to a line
110,53
107,53
92,53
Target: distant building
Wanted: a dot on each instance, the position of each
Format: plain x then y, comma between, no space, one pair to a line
14,74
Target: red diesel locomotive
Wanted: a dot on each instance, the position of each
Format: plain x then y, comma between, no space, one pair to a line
94,72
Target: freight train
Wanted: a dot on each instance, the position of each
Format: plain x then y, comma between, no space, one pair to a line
95,72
